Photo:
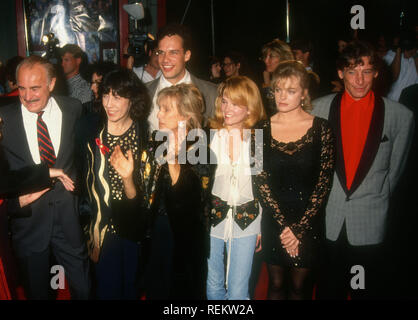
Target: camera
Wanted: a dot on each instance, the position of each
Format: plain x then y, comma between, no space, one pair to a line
52,46
137,38
137,47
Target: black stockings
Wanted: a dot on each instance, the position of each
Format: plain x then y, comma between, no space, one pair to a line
293,278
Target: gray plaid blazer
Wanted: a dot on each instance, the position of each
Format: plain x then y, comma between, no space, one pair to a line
365,206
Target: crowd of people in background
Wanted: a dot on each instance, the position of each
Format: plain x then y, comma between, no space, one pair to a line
83,180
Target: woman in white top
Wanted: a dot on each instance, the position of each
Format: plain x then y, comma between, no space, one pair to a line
235,213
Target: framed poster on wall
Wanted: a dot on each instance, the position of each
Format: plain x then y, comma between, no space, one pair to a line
91,24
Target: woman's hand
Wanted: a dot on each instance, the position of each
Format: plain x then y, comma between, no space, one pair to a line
290,242
60,175
123,166
31,197
258,243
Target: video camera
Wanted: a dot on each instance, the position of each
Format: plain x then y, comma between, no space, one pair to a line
52,47
137,38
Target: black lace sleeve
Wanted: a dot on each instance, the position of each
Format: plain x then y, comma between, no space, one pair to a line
268,200
265,194
323,186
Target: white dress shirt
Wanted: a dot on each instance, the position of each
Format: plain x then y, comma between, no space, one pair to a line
163,83
52,117
407,75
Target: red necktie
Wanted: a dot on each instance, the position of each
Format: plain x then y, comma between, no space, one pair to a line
46,149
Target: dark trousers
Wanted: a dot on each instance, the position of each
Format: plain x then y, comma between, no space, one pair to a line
336,277
116,272
35,267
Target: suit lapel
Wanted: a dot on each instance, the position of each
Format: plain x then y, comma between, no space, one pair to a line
334,118
370,147
18,134
372,143
65,128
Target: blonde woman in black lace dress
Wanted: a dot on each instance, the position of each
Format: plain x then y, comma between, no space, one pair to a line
298,170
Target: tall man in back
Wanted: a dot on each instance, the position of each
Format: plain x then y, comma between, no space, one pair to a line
41,129
174,51
373,136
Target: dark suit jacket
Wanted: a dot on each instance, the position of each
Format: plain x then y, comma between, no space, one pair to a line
26,180
32,225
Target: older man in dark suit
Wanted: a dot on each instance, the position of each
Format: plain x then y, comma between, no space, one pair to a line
373,136
41,130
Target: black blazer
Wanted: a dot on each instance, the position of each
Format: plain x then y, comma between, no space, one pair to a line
32,225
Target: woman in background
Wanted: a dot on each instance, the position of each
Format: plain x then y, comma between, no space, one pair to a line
273,53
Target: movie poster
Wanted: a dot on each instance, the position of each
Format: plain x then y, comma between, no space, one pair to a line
91,24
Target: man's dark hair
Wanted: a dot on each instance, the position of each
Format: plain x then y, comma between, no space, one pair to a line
235,57
353,53
126,84
102,68
74,49
151,45
10,68
302,45
408,41
176,29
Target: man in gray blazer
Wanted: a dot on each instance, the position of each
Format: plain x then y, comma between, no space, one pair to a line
373,137
38,130
174,50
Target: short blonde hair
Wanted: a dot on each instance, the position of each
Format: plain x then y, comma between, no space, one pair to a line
281,48
188,101
242,91
293,68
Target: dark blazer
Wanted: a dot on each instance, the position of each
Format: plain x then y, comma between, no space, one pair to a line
23,181
32,225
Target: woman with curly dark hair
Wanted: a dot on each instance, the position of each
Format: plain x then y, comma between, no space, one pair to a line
113,180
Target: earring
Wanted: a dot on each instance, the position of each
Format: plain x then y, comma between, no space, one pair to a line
302,102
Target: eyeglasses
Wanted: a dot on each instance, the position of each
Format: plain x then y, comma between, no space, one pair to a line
170,53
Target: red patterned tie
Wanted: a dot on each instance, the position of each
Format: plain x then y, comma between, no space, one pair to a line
46,149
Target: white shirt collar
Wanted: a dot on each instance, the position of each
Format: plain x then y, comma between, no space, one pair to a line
164,83
47,110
